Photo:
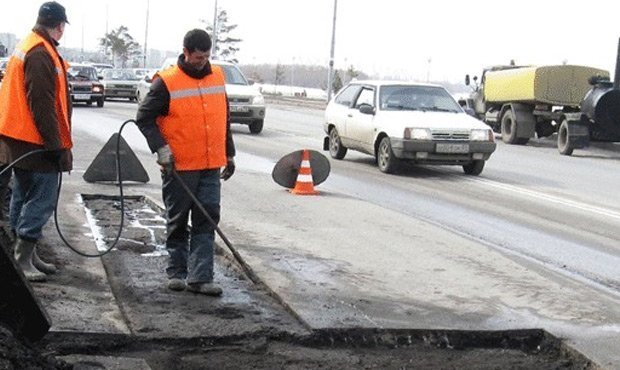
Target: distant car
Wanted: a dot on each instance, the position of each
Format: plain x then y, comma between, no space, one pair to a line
247,104
84,85
3,63
100,67
401,121
120,83
143,86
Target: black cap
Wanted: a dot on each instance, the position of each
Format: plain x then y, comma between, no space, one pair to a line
51,14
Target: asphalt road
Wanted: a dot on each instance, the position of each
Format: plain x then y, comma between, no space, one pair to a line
531,242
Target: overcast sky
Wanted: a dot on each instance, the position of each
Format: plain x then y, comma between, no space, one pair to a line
389,37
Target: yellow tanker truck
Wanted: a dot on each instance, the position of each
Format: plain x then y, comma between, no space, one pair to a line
522,102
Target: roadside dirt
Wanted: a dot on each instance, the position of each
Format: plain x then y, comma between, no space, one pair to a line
247,327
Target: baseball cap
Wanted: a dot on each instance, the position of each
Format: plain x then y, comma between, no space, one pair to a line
50,13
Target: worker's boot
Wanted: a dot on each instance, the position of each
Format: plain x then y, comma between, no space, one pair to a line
41,265
24,251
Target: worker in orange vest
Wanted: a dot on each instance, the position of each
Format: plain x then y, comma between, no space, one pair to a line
184,119
35,114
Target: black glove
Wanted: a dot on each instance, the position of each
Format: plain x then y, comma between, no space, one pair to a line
229,170
165,158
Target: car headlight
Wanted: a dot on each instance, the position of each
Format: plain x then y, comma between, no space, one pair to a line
481,135
258,100
97,89
418,133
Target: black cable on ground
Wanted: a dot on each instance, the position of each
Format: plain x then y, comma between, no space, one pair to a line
122,197
122,201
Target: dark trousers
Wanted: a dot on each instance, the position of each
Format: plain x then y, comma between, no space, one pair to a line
191,247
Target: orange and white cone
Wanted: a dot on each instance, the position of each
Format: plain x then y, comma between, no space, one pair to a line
304,184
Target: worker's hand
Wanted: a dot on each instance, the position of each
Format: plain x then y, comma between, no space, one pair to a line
229,170
165,158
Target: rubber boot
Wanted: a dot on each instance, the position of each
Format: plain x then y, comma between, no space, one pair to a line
23,255
47,268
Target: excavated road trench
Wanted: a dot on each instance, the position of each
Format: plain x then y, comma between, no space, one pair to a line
249,327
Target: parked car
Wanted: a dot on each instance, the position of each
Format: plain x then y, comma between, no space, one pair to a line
400,121
247,104
120,83
84,85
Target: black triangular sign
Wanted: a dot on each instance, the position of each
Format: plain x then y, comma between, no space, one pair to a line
103,167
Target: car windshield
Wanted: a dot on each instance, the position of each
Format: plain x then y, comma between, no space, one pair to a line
233,75
120,74
422,98
81,73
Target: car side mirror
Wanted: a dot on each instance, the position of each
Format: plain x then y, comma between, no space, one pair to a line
367,109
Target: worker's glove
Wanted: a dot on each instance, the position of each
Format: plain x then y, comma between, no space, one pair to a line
229,170
165,158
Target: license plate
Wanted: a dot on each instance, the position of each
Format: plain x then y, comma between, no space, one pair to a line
239,108
452,148
81,96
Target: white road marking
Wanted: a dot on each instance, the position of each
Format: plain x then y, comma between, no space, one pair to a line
550,198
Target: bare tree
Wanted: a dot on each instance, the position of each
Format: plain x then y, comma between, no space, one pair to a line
279,78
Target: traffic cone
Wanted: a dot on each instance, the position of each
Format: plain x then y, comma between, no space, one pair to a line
304,184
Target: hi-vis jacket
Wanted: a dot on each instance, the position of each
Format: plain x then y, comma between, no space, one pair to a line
17,121
196,124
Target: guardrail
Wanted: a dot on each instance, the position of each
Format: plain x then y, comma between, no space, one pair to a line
295,101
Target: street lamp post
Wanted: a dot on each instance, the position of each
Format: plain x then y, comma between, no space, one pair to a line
330,71
146,31
214,36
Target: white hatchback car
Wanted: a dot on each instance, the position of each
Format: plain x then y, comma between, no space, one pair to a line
401,121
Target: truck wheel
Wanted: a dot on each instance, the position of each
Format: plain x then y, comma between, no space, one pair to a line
509,129
474,168
386,161
257,126
336,149
564,145
100,102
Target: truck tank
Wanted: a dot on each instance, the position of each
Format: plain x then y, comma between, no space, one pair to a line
561,85
601,105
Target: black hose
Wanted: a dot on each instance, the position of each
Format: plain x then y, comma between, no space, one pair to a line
122,197
122,201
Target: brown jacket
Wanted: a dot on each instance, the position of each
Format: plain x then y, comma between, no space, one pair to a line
38,82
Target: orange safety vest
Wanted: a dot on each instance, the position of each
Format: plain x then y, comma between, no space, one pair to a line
16,119
195,127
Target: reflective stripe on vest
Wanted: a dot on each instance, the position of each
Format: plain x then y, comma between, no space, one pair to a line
195,127
16,119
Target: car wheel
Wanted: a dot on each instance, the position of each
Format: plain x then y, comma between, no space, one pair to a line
564,145
256,126
474,168
386,160
336,149
100,102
